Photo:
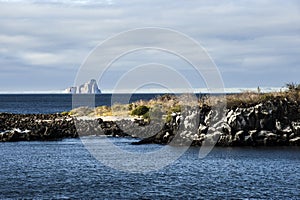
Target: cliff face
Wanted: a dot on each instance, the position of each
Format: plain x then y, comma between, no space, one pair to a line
272,123
90,87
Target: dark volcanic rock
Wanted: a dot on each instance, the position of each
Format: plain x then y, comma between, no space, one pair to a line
30,127
272,123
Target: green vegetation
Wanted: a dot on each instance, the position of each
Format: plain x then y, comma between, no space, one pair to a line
168,118
146,116
140,110
176,109
162,107
65,113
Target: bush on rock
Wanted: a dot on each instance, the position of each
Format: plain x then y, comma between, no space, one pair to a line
140,110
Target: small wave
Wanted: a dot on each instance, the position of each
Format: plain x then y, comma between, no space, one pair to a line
15,130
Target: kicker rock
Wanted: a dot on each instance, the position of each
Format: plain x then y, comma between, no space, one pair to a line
90,87
71,90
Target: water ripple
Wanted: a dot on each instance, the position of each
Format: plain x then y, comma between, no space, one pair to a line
66,170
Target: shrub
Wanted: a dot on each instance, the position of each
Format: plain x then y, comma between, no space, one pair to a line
176,109
65,113
146,116
140,110
168,118
130,106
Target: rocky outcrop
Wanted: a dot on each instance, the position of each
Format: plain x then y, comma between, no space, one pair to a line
16,127
272,123
90,87
97,127
32,127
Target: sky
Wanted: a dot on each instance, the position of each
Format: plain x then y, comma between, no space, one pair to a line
44,43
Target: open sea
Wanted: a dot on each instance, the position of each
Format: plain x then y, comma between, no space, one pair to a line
66,169
56,103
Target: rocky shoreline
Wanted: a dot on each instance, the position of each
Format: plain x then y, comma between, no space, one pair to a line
32,127
43,127
273,123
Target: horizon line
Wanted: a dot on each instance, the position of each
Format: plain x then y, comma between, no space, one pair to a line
155,91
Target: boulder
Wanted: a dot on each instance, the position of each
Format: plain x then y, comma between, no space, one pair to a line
295,141
296,128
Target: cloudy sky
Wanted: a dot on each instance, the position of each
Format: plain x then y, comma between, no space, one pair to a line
252,42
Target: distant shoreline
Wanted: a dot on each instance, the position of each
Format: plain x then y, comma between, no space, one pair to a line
154,91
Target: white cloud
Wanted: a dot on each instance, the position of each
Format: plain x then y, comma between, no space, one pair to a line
37,58
240,35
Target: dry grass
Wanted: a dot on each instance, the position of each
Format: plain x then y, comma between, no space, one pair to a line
172,103
103,111
247,99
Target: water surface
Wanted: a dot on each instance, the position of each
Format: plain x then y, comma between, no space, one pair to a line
65,169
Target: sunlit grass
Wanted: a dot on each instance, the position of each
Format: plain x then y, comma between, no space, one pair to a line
163,106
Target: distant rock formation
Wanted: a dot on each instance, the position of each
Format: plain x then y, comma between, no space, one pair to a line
90,87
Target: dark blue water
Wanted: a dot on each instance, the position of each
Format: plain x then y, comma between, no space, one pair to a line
56,103
65,169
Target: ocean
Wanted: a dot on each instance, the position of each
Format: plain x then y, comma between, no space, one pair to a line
67,170
56,103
